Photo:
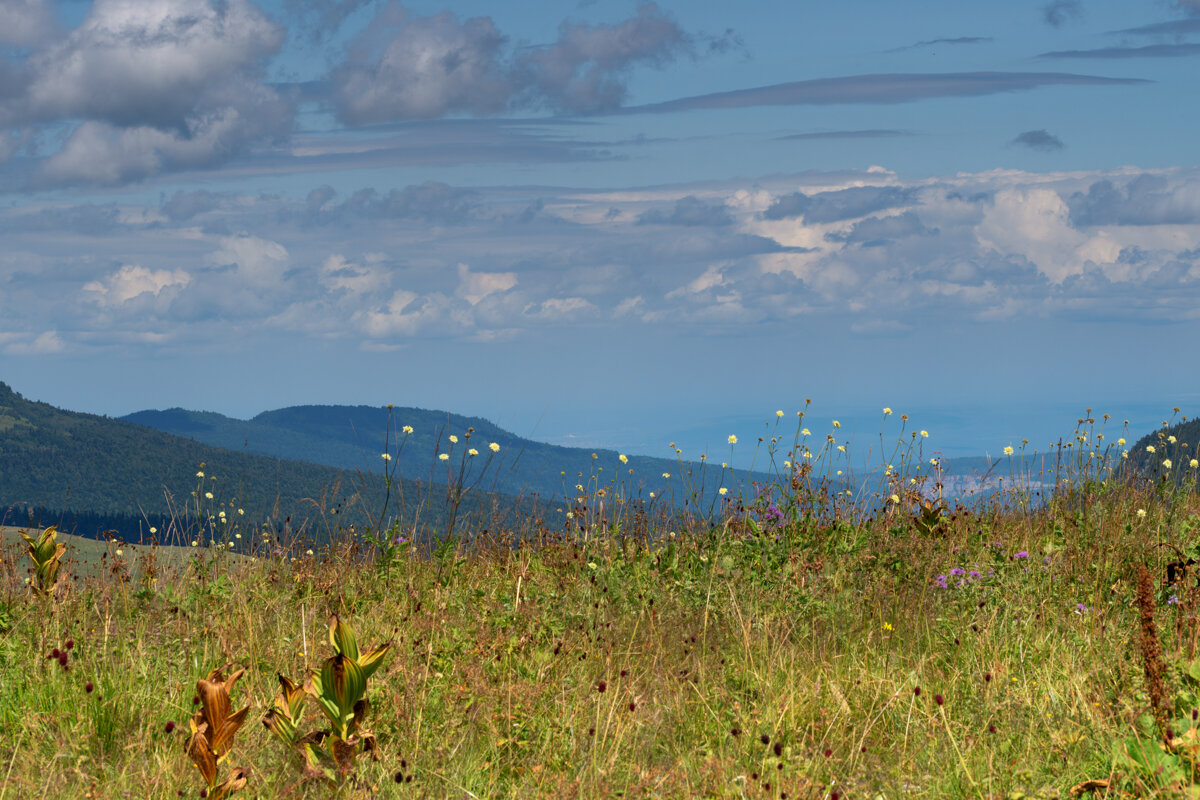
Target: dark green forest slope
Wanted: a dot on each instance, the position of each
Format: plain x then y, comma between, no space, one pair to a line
67,460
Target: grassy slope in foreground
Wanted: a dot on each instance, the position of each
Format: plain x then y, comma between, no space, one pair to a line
821,656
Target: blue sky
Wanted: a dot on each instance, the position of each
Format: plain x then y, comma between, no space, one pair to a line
606,223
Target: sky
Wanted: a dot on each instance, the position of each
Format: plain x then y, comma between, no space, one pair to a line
608,224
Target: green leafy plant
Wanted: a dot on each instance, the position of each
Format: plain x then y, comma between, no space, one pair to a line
46,553
339,688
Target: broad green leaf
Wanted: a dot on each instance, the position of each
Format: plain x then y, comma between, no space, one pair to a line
341,637
373,659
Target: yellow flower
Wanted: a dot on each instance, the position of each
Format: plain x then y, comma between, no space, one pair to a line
624,459
120,552
495,448
724,465
472,452
200,474
1166,463
666,474
443,457
837,424
1149,448
787,465
805,432
1171,439
732,439
208,495
241,512
887,411
1008,451
1141,513
779,413
453,439
154,530
408,429
1121,442
722,491
924,434
841,448
1194,463
895,498
887,626
386,456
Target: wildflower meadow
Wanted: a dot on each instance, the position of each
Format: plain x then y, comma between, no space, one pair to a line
844,628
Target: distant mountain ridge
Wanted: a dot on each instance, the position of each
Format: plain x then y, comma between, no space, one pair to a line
352,438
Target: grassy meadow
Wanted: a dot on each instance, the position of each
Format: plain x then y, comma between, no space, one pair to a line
805,639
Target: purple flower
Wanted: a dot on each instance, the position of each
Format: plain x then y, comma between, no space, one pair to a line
941,581
1080,608
1172,600
958,571
1021,554
974,575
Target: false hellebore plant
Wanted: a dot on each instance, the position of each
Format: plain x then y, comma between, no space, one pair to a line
213,728
340,689
45,552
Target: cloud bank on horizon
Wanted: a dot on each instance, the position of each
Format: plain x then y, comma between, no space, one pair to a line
368,175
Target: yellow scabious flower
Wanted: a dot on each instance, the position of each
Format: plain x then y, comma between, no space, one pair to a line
1008,451
472,452
495,448
887,411
386,456
453,439
443,457
779,413
624,459
924,434
837,424
722,491
1149,448
732,439
408,429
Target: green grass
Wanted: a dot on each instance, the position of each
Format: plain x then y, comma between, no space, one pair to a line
747,658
